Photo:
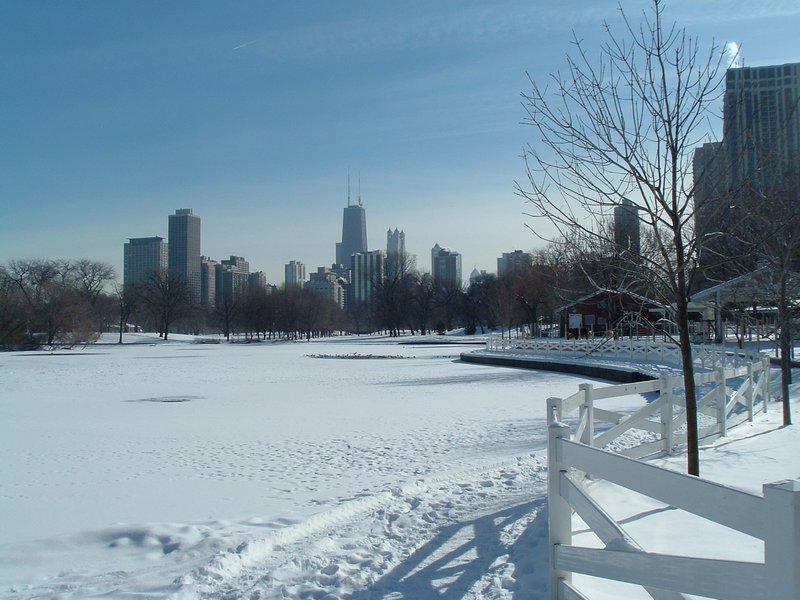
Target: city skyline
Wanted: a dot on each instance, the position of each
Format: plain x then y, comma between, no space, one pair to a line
254,115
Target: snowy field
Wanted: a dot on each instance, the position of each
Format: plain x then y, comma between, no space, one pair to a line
330,469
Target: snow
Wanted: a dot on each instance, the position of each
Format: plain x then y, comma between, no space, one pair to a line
181,470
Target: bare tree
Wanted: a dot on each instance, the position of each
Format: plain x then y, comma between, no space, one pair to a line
54,309
127,299
168,298
91,277
423,302
449,303
13,313
619,127
393,290
775,213
482,306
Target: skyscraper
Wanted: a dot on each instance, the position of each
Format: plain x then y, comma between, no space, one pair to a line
184,248
445,266
232,276
511,261
710,207
208,281
257,282
354,230
142,257
761,124
759,149
367,268
395,243
626,229
295,273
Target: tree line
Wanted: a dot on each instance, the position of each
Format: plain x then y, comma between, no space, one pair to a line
48,302
58,301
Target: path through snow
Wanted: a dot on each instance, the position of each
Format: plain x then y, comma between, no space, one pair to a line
467,535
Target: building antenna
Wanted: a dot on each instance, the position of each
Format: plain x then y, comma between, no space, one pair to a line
348,186
359,188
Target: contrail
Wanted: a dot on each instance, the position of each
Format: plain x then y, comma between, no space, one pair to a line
240,46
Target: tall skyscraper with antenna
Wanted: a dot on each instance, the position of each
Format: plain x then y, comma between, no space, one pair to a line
354,229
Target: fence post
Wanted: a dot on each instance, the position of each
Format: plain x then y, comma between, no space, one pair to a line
722,398
554,410
750,390
782,540
766,374
587,408
559,511
667,419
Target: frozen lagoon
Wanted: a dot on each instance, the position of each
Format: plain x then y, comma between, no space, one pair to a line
148,459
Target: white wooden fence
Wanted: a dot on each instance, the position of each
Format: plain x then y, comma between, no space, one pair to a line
628,349
729,397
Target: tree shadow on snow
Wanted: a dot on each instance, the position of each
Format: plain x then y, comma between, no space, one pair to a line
468,552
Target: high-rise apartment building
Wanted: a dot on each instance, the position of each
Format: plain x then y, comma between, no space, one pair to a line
208,281
367,268
710,208
258,282
760,147
184,248
512,261
142,257
294,273
761,124
325,283
627,236
232,278
445,266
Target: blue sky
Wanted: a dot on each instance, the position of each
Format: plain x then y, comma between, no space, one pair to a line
114,114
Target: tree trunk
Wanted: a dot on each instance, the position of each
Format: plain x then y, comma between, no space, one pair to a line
692,437
785,318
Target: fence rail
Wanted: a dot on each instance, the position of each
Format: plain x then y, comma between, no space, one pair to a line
629,349
728,395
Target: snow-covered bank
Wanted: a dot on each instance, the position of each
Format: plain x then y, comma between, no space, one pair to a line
257,471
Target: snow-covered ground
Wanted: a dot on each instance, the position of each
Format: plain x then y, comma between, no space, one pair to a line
353,468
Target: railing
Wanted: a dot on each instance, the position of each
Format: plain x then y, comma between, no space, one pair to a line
727,397
773,518
628,349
